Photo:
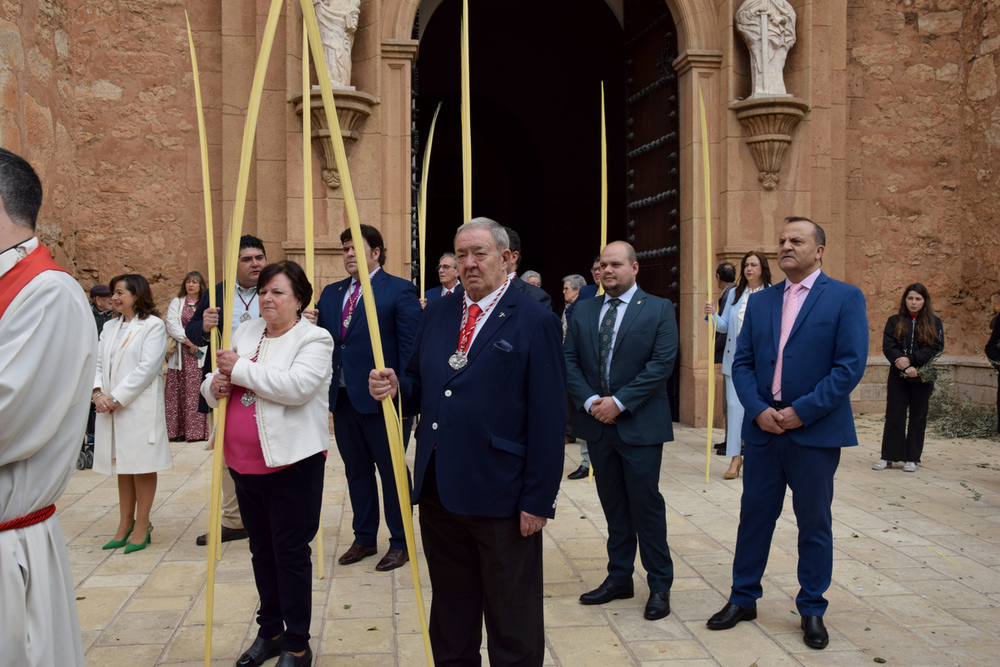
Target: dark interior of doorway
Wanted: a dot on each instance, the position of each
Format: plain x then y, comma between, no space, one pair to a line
536,71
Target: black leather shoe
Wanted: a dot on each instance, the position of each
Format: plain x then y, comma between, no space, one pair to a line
289,660
815,632
658,606
729,616
607,592
261,650
355,553
392,559
228,535
579,473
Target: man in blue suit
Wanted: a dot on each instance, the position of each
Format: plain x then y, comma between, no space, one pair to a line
357,419
620,350
488,378
802,350
447,270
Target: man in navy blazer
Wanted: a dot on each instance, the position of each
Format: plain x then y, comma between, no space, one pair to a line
488,378
620,350
447,270
802,350
357,418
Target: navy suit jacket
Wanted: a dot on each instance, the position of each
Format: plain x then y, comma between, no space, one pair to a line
497,425
398,311
435,292
195,333
824,359
528,289
641,362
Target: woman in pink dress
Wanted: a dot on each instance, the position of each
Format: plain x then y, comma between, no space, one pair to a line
184,422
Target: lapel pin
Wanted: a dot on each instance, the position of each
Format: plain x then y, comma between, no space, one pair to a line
500,315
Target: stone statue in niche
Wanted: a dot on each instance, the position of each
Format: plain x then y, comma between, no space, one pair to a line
338,21
768,28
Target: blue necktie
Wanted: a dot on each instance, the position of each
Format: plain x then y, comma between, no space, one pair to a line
606,333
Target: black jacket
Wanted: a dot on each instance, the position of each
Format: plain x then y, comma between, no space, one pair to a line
911,347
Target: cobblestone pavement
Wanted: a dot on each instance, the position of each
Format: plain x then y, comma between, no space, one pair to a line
916,572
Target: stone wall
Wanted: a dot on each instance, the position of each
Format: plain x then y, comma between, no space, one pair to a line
923,139
98,96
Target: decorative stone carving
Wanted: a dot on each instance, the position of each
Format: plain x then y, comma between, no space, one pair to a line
769,122
768,28
353,106
338,21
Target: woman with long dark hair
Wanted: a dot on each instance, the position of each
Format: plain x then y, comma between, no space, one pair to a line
131,430
183,385
912,338
755,275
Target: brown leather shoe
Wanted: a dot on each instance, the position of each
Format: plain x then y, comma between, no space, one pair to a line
228,535
392,559
355,553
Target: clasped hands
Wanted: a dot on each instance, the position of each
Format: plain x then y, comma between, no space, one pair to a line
904,365
778,421
605,410
104,403
222,382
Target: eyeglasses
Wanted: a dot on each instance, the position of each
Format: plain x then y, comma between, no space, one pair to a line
445,266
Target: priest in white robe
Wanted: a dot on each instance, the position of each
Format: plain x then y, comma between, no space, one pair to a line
47,358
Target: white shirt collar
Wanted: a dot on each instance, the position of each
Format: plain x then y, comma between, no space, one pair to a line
13,255
626,297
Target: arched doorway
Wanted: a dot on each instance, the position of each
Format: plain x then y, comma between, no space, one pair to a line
536,73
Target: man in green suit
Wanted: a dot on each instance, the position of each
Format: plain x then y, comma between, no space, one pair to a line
620,350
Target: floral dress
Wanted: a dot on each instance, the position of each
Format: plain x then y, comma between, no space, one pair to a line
182,389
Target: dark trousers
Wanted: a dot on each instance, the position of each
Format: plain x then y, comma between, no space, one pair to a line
364,446
899,442
767,470
628,484
281,515
481,567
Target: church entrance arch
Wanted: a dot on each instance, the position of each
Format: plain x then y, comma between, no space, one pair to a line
536,72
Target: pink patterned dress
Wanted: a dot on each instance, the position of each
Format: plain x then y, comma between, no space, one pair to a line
181,390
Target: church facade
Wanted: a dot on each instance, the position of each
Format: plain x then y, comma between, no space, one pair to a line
887,134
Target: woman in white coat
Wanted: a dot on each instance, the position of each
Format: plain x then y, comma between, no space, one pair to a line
755,275
277,378
131,429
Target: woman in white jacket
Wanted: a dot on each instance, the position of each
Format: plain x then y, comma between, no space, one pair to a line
277,378
755,275
131,430
183,384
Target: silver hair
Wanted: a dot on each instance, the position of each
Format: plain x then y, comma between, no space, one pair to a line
496,230
531,274
575,280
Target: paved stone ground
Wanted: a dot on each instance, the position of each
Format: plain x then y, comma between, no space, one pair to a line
916,572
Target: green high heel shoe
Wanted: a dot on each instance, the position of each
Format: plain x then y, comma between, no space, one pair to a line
131,546
118,544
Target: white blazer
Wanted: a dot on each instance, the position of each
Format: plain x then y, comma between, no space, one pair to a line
292,381
176,331
139,427
726,322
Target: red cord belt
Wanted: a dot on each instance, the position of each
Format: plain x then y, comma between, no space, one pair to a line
29,519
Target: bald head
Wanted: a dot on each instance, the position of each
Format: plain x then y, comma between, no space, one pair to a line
619,267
